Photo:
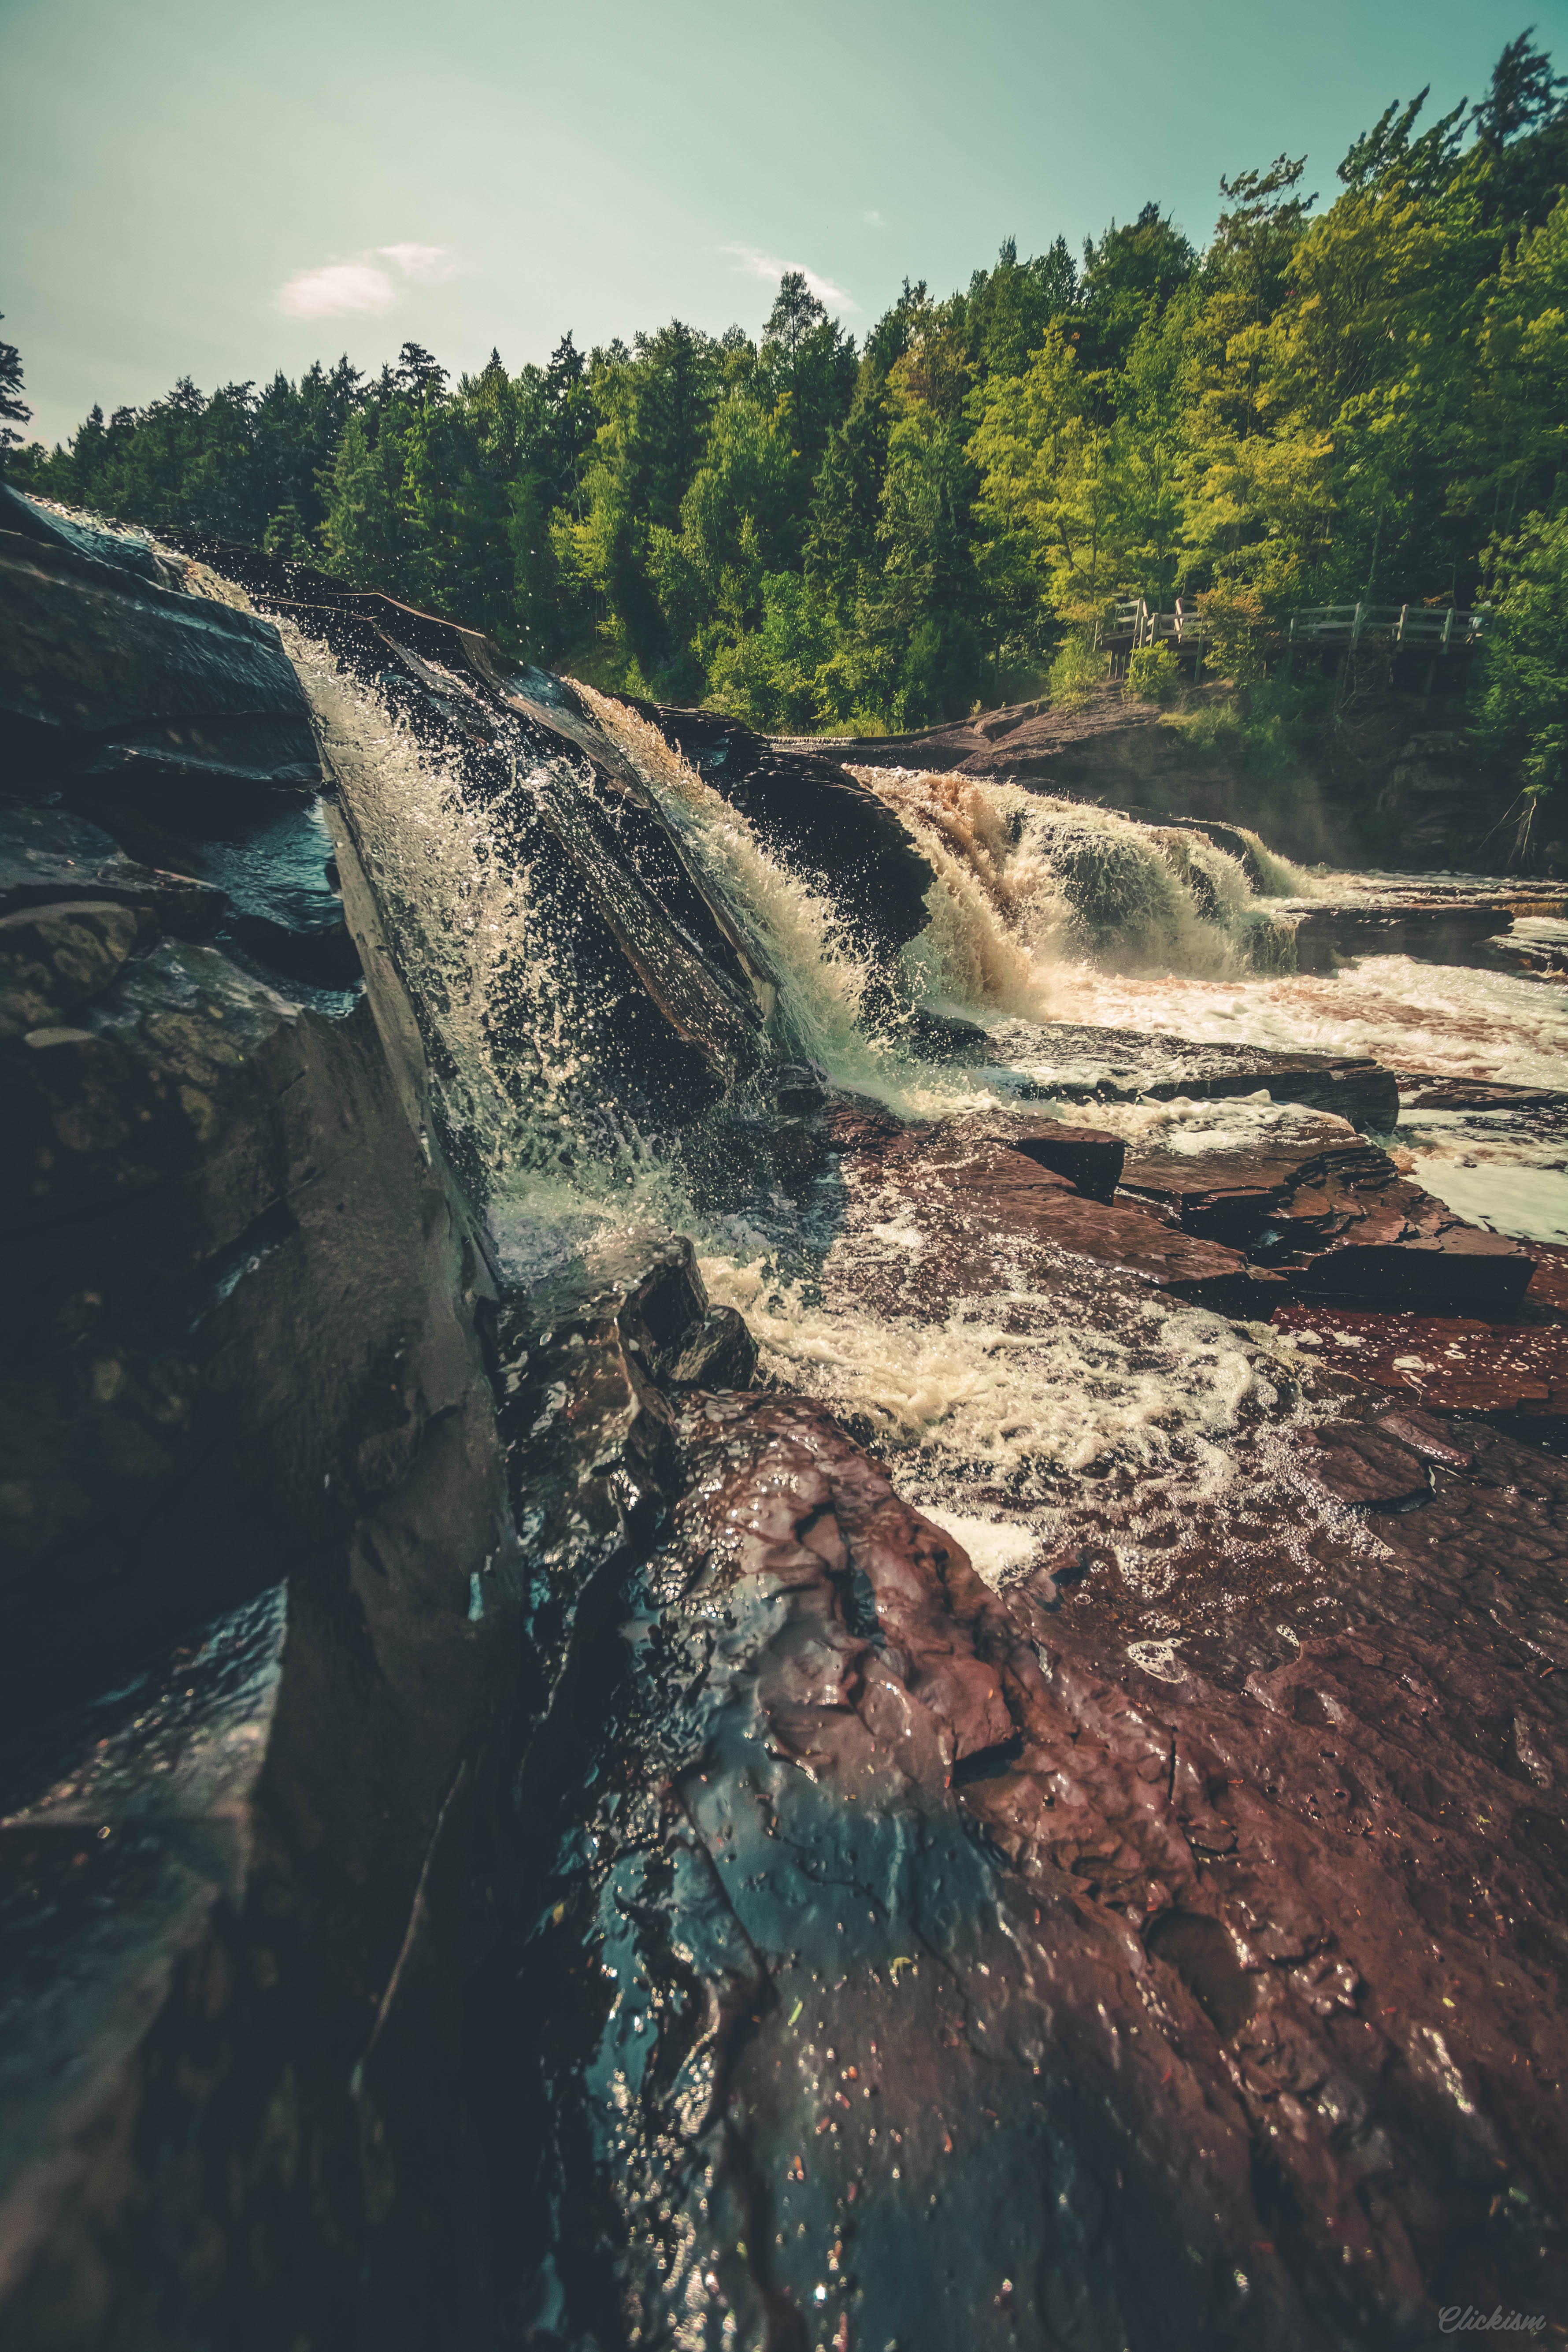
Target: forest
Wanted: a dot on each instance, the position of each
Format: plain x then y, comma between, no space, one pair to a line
1361,397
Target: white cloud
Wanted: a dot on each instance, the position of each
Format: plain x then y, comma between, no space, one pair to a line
418,260
874,218
359,289
765,265
338,289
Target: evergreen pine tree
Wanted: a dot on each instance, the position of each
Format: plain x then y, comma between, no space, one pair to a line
14,409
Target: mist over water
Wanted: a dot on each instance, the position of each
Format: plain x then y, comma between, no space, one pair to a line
1040,911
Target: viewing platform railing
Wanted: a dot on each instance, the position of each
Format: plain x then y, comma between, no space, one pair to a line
1433,630
1134,625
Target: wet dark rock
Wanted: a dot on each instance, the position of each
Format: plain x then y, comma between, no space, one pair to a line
582,1369
824,821
323,957
1442,932
52,958
261,1606
858,1122
1082,1064
127,551
1091,1161
1418,1093
1212,1980
1547,1294
106,672
939,1036
48,855
1455,1363
184,1159
795,1089
1365,1466
723,1355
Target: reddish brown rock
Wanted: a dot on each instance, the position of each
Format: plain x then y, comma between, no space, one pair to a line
1331,1213
1419,1093
1548,1288
1370,1237
1090,1159
1231,1193
1250,1981
1455,1363
982,1186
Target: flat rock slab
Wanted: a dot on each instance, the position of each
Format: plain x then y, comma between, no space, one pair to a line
1364,1234
981,1189
1312,1210
1453,1363
1254,1967
1228,1187
1418,1092
1084,1063
1444,931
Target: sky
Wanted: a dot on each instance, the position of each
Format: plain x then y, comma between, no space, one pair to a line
195,187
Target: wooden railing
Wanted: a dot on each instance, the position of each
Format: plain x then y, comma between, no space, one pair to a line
1433,630
1134,621
1436,630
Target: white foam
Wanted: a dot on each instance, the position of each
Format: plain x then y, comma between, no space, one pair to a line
1441,1018
1530,1202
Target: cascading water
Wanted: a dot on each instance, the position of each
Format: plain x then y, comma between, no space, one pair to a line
992,1402
1027,884
1038,910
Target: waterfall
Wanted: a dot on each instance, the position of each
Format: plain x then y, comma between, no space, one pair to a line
490,924
1026,883
490,931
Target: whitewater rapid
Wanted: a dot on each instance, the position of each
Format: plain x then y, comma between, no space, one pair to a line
1039,913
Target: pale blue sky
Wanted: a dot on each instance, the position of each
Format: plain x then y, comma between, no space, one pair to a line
496,171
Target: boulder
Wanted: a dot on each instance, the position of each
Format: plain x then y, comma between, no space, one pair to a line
261,1612
49,856
52,958
108,673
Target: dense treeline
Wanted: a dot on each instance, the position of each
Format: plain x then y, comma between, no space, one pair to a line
1366,400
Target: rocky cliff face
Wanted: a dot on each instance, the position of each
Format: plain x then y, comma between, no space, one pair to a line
515,1831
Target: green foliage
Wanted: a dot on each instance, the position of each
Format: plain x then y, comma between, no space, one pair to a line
1360,401
14,409
1249,731
1234,625
1076,673
1523,700
1152,674
284,538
